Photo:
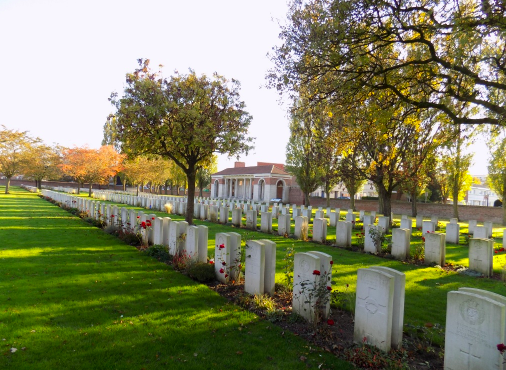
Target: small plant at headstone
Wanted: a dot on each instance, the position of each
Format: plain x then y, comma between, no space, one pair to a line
377,237
360,239
317,293
202,272
182,261
418,254
111,230
160,252
288,267
264,302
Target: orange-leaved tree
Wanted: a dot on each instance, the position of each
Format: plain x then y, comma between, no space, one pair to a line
90,166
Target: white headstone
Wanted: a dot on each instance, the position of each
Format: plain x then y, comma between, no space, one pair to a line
320,230
370,244
481,254
270,266
428,227
343,233
255,267
251,220
192,242
374,308
301,227
223,215
401,241
368,220
435,248
472,225
407,223
490,227
237,217
157,230
452,233
398,306
480,232
304,284
419,221
222,257
266,222
202,247
384,223
284,224
475,325
165,231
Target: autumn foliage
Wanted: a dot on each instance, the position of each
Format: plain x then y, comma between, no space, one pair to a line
90,166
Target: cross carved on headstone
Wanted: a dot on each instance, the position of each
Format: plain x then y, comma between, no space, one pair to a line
469,356
370,308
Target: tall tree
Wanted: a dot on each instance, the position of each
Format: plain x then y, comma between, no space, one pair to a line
90,166
431,54
41,162
13,147
350,175
186,118
303,150
497,171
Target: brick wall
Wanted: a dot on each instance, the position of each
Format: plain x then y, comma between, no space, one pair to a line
466,213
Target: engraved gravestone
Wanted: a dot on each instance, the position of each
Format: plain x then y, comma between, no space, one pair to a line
371,245
284,224
401,241
319,230
480,232
222,257
475,325
472,225
266,222
223,215
255,267
251,220
165,231
301,227
374,308
481,253
343,234
192,242
398,304
202,246
452,233
304,282
428,227
435,248
270,266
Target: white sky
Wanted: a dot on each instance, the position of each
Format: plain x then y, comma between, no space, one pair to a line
60,60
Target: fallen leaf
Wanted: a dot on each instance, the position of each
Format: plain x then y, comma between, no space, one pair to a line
239,352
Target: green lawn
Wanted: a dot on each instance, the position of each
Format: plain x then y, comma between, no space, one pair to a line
73,297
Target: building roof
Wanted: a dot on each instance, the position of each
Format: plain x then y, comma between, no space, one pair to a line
252,170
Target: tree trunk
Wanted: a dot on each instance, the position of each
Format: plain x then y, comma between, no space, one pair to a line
191,193
504,205
7,185
137,190
306,199
89,190
352,200
455,192
78,188
385,201
124,185
414,211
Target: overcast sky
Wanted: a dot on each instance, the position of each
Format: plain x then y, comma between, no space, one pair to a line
60,61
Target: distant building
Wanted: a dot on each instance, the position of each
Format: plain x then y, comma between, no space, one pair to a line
340,191
481,194
262,182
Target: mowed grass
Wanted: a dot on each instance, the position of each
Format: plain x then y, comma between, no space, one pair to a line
73,297
426,287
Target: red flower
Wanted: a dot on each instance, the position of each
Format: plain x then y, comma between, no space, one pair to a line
143,225
222,271
112,215
329,288
495,251
224,263
152,218
226,275
423,238
501,347
347,285
211,262
316,272
352,222
138,216
428,232
148,223
330,322
222,246
331,262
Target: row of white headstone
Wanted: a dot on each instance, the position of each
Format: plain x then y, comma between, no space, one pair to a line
178,237
475,320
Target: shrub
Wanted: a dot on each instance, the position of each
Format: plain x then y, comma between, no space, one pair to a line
130,237
111,229
264,302
160,252
202,272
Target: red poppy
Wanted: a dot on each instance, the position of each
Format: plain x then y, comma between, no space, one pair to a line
329,288
138,216
211,262
501,347
152,218
224,263
316,272
222,271
222,246
112,215
331,262
330,322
